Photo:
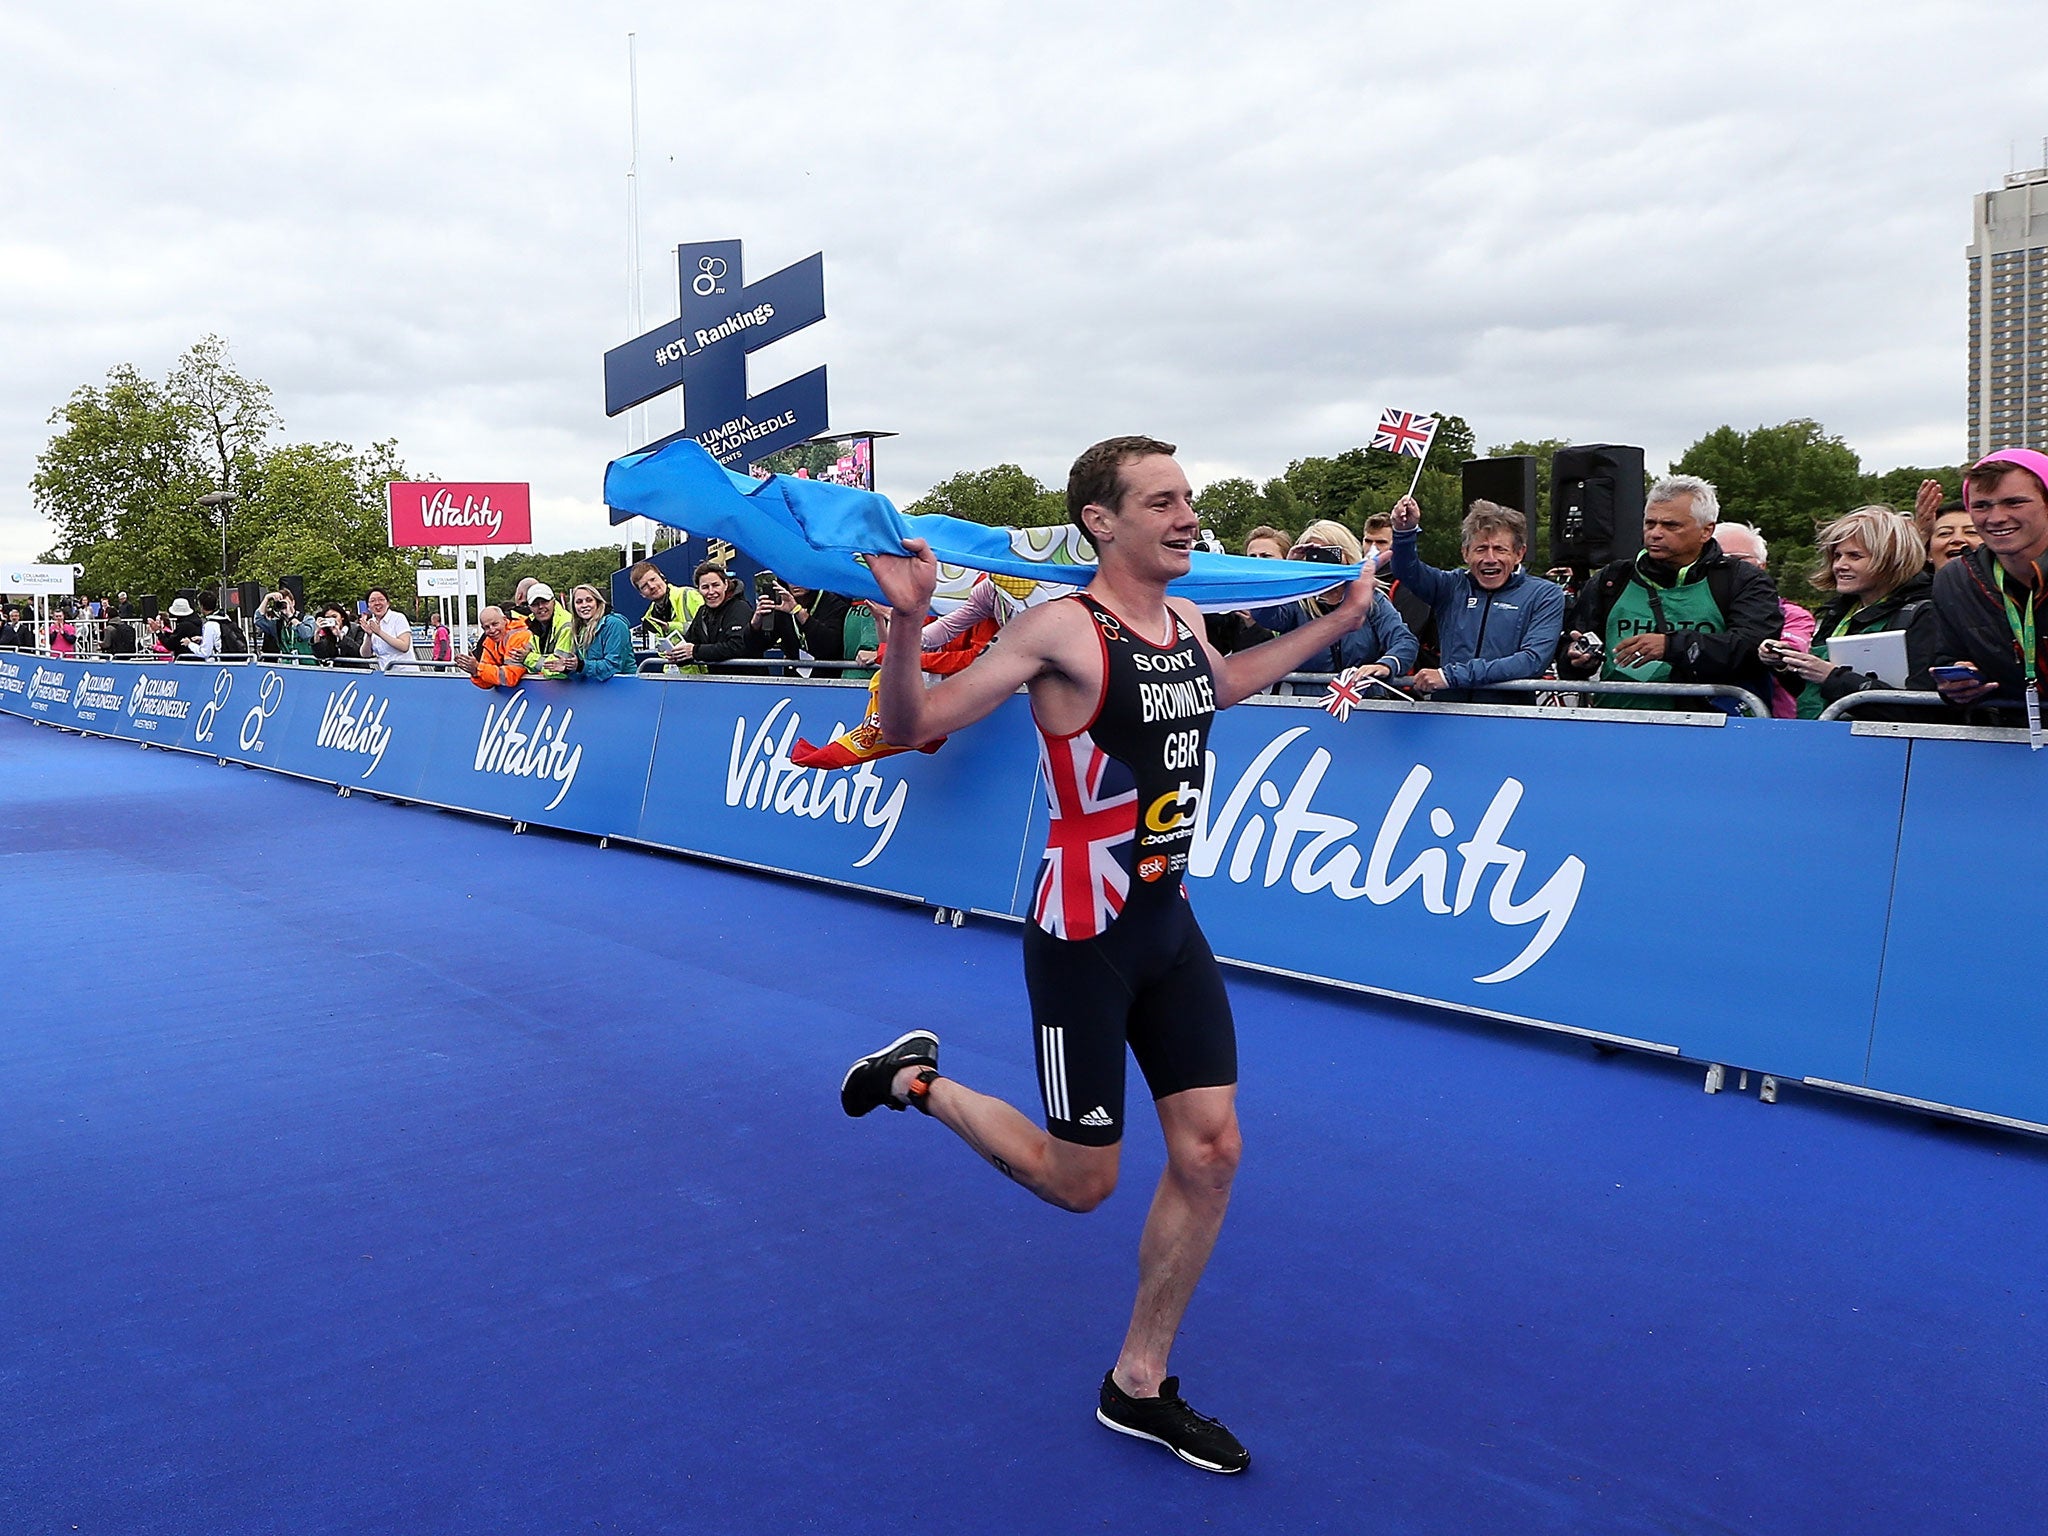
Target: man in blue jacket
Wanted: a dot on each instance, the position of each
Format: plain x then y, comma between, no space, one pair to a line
1494,621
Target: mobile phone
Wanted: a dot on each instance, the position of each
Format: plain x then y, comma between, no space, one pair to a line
362,606
1955,674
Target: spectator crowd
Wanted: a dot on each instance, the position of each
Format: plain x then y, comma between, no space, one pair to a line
1954,584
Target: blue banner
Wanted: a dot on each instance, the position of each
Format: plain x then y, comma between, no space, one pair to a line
1959,1020
944,828
1621,877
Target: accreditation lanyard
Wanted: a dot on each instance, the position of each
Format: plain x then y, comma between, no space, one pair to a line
2023,631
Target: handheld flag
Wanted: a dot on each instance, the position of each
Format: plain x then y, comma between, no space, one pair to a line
1404,432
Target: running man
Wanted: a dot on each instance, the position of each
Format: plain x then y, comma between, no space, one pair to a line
1123,687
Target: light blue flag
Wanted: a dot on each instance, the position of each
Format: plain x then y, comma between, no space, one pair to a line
817,534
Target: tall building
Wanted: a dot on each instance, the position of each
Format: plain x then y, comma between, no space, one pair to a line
2009,315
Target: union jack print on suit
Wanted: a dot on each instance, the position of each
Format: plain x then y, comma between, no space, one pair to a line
1404,432
1094,801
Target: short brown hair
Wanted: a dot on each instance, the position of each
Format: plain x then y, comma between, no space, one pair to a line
641,568
1097,476
1379,522
1986,473
1492,517
1267,531
710,565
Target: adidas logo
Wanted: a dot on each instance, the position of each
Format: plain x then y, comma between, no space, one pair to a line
1097,1116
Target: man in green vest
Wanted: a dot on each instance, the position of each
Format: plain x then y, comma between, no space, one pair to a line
554,631
1680,611
669,609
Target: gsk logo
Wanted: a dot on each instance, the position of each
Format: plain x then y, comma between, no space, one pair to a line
1152,867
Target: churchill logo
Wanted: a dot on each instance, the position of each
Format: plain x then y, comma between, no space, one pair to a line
353,721
544,752
1315,851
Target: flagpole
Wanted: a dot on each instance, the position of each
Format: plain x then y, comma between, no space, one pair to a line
1421,459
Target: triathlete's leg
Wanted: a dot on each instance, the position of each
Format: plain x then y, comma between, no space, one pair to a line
1202,1150
1068,1175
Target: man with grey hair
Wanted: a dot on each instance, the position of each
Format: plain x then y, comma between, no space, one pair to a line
1495,622
1680,611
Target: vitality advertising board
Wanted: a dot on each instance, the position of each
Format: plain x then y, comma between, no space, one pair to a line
433,514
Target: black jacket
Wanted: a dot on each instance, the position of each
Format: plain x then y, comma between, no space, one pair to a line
1745,594
190,627
720,634
1967,622
1896,611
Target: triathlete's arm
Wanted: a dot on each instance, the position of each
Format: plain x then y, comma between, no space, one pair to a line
911,714
1244,673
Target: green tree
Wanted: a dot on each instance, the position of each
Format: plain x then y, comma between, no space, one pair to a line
123,477
1231,509
1002,497
318,511
1785,480
570,568
1898,487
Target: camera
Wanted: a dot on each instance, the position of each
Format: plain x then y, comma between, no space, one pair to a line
1590,645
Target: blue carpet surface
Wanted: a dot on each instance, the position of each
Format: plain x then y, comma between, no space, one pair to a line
367,1168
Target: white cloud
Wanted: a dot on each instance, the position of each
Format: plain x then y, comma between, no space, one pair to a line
1244,228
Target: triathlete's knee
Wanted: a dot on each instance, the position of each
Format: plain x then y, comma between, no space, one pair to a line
1209,1156
1081,1185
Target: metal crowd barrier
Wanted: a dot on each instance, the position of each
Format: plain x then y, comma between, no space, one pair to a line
1749,702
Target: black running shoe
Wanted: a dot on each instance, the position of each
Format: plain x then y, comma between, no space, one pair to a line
869,1080
1168,1421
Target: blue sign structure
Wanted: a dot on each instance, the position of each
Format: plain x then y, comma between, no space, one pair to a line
1444,856
704,351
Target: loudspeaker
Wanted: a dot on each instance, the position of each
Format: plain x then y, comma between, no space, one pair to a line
296,585
246,595
1596,504
1506,482
149,605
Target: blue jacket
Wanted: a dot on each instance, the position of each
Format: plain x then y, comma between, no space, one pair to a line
1487,637
609,653
1382,638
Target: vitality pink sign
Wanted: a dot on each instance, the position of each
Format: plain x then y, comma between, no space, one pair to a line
426,513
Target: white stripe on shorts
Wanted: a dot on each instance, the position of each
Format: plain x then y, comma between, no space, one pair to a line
1053,1076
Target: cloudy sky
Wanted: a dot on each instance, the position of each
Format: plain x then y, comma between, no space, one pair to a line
1245,227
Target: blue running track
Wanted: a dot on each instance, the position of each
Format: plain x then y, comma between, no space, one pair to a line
365,1169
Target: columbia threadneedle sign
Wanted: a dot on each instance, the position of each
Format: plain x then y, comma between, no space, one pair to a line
704,351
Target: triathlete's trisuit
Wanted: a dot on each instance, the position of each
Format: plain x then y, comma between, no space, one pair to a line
1113,953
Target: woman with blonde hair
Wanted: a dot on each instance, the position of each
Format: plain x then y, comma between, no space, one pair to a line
1874,559
1383,644
603,645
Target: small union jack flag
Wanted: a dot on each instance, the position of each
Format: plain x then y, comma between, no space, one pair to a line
1347,691
1404,432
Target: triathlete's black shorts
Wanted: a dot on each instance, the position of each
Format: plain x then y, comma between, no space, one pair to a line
1151,981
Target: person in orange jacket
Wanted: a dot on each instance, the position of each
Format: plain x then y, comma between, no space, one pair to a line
505,655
